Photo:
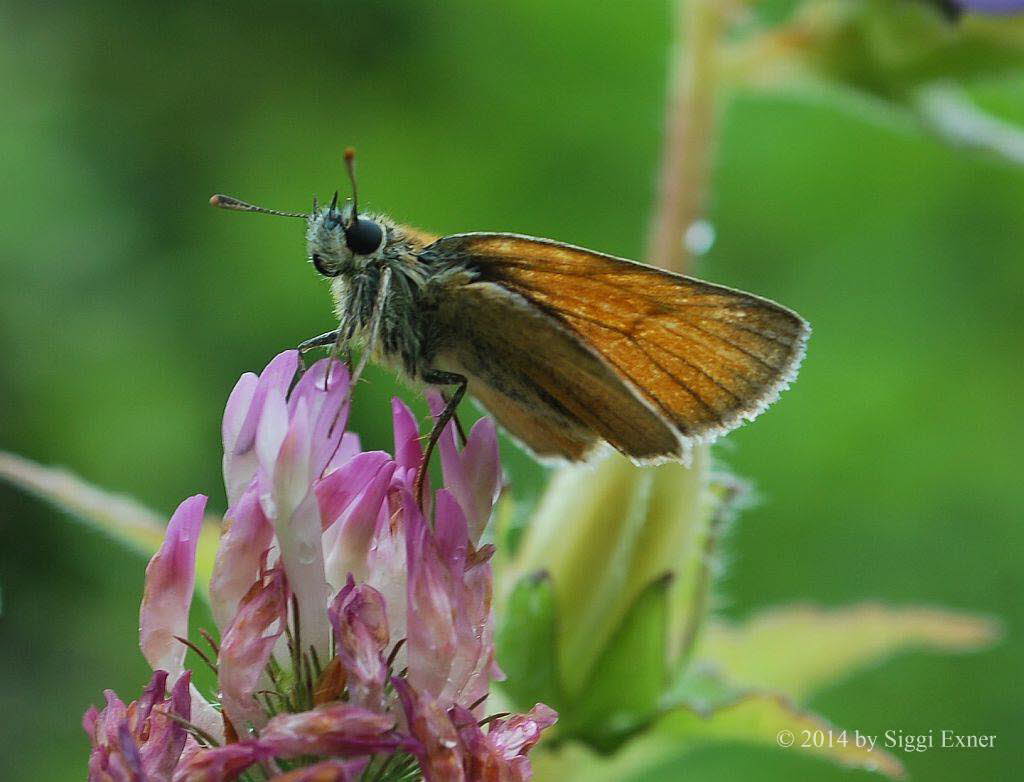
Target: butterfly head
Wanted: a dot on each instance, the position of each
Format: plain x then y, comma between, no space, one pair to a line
340,240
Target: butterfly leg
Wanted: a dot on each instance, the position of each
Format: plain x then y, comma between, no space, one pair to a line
327,338
436,377
458,423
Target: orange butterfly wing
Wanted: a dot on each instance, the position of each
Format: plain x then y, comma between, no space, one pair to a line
706,357
539,380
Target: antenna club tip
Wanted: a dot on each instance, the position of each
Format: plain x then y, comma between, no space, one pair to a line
350,154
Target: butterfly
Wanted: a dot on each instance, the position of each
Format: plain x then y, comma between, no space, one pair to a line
566,347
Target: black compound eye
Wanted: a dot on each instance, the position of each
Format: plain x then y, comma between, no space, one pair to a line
363,236
320,266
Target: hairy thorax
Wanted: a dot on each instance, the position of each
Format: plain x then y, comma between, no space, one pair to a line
409,334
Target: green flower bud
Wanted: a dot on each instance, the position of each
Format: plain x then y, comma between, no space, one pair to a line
610,582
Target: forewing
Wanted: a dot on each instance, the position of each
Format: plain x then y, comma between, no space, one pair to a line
705,356
541,382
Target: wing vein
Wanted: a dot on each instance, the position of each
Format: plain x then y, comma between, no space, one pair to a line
725,341
692,392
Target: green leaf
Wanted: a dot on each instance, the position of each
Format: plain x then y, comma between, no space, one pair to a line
702,689
571,761
881,47
123,518
526,642
116,514
753,718
630,676
772,720
718,710
758,719
800,649
949,111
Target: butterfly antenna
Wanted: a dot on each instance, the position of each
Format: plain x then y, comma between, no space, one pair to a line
228,202
350,166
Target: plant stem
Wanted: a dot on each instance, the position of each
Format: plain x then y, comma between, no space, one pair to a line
690,122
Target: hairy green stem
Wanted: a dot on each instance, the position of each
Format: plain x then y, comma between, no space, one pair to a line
690,124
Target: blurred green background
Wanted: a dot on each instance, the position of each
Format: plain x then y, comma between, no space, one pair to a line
128,308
